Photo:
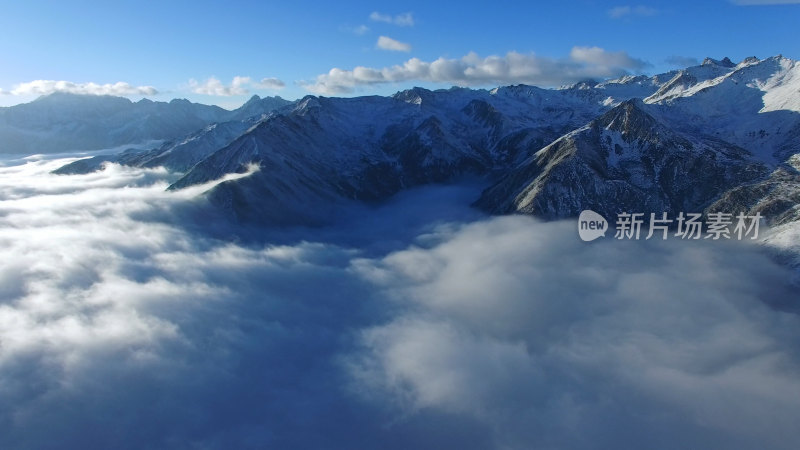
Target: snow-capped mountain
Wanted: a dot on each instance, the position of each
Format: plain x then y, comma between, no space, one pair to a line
716,135
326,150
706,130
672,142
257,106
754,104
63,122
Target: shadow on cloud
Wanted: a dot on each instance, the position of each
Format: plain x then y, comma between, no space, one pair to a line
417,324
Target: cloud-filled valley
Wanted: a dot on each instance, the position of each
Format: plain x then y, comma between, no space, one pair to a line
419,325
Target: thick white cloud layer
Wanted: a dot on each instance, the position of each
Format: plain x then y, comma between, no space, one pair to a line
45,87
471,70
123,325
552,342
239,86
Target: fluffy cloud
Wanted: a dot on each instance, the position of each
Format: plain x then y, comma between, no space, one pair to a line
239,86
582,63
387,43
45,87
619,12
403,20
126,322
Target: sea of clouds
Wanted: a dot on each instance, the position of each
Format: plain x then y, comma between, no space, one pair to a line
133,317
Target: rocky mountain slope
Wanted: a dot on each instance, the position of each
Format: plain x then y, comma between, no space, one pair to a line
625,160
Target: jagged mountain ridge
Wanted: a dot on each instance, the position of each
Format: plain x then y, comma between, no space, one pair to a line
675,141
368,148
553,152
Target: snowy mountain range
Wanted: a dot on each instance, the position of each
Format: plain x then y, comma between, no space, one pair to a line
717,136
62,122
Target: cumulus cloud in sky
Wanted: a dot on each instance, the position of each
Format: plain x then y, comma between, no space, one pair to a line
45,87
387,43
238,86
472,69
124,325
402,20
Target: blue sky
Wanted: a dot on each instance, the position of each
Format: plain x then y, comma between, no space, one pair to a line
164,50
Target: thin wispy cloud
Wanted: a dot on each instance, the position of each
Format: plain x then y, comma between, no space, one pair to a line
619,12
471,70
765,2
387,43
402,20
238,86
360,30
682,61
45,87
268,83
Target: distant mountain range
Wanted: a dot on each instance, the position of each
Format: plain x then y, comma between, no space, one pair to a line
63,122
717,136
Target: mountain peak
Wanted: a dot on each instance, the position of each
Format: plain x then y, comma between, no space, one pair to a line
725,62
414,95
628,117
179,101
585,84
307,103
